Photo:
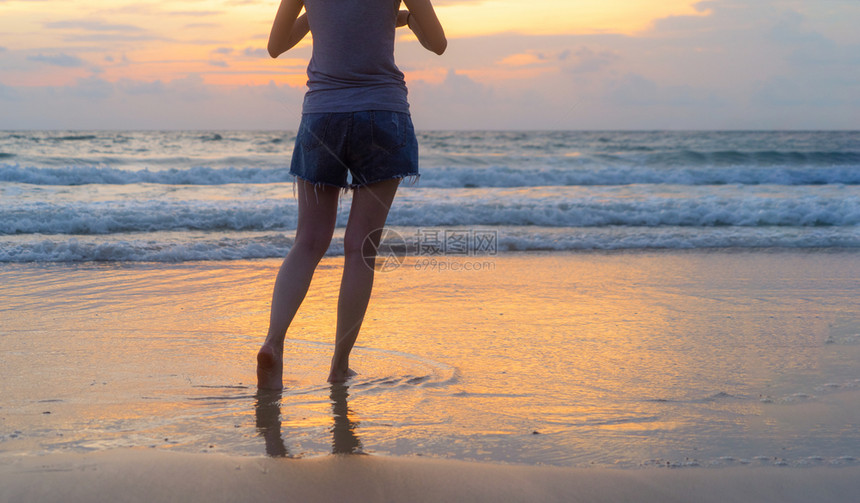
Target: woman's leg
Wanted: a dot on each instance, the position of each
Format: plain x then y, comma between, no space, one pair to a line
317,217
370,205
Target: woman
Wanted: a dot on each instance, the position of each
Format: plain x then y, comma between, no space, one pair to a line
355,119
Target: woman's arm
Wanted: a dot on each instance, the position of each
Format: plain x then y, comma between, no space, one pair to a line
289,28
426,26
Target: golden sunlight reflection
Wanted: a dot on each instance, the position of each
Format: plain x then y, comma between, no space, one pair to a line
509,358
267,410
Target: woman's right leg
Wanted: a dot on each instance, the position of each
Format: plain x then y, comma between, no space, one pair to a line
317,217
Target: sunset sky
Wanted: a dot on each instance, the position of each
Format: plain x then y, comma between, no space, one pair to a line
544,64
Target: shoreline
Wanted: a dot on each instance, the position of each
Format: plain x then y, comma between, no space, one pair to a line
133,475
501,254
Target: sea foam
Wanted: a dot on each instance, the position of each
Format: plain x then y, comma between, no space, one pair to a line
452,175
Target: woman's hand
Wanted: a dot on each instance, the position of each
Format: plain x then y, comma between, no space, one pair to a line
402,18
289,28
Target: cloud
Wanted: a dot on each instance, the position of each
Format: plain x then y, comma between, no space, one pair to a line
93,88
109,37
458,100
581,59
202,25
524,59
258,52
89,30
185,103
62,59
196,13
780,91
587,60
789,28
636,90
137,87
191,88
806,46
460,83
743,64
91,25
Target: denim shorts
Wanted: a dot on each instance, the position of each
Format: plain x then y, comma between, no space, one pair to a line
372,146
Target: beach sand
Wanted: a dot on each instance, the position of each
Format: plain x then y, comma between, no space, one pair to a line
151,475
739,370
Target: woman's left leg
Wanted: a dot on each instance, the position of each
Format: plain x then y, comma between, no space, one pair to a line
370,205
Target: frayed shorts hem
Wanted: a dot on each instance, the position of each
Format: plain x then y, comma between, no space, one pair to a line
410,178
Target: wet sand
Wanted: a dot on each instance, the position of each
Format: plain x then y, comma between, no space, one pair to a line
738,370
151,475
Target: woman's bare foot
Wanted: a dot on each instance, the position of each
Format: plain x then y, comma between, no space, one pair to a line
336,376
270,368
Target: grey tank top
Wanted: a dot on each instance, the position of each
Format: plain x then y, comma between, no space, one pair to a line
352,67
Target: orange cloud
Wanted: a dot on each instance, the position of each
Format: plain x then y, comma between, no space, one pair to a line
523,59
547,17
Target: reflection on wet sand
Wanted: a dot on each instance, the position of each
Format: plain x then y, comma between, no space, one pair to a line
267,409
344,439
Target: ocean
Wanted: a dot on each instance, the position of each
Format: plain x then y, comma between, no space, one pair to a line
177,196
